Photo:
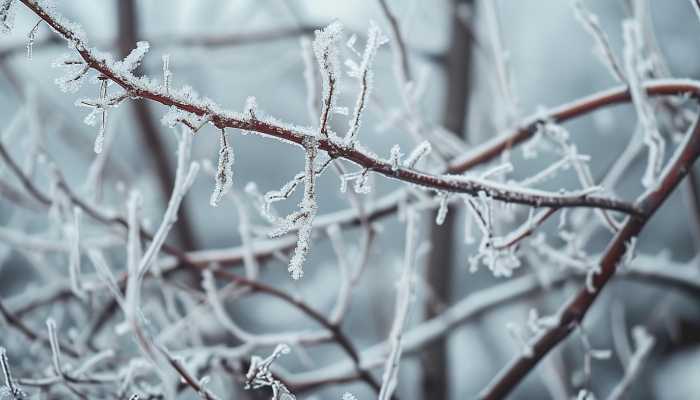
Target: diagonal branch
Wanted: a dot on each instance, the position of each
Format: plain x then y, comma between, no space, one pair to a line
572,313
143,88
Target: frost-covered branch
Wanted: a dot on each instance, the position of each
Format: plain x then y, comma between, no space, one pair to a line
10,390
403,300
325,49
186,102
572,313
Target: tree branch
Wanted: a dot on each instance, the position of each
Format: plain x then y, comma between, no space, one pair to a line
572,313
335,149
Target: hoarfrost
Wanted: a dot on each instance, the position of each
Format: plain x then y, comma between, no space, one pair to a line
395,157
133,60
363,72
224,171
417,154
259,375
637,67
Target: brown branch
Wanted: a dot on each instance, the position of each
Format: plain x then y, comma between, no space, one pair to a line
223,119
572,313
493,148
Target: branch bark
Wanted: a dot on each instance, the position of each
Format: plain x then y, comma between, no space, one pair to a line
572,313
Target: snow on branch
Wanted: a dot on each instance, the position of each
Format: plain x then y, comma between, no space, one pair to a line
134,59
637,66
326,51
259,375
186,101
482,193
184,178
404,294
364,74
303,219
224,171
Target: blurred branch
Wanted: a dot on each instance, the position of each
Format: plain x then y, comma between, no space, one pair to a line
404,68
30,334
644,343
150,134
647,269
457,82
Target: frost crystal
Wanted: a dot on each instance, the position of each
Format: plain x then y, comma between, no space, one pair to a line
417,154
7,16
361,182
259,375
132,61
590,276
100,138
501,261
75,72
363,73
305,216
442,211
224,171
351,44
251,107
395,157
167,75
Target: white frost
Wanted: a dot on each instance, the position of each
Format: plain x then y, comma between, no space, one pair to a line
224,171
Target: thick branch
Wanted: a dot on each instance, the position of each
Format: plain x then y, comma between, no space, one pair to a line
226,119
571,314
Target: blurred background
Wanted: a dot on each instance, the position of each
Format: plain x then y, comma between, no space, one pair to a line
228,51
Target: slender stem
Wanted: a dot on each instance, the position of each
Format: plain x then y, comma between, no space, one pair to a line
572,313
